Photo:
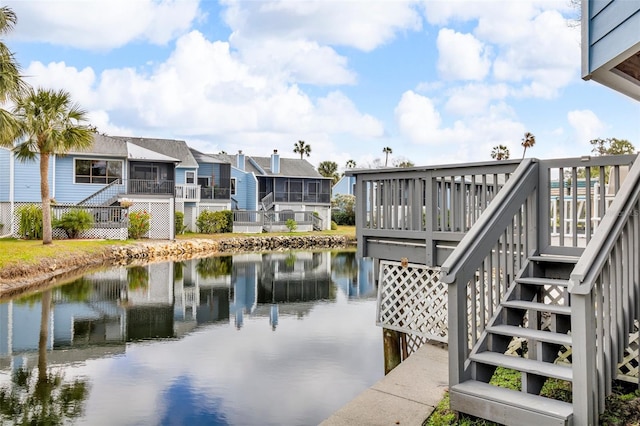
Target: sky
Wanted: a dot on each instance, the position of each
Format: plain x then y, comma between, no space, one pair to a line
437,81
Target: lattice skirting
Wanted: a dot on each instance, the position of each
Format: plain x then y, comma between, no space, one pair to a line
161,222
412,300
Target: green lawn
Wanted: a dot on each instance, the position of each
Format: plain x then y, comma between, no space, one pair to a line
15,252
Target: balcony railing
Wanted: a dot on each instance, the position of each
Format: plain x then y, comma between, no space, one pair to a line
217,193
188,192
150,187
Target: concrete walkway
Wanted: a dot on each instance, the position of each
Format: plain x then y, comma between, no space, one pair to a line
405,396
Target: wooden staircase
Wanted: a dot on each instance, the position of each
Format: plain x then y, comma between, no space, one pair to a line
536,310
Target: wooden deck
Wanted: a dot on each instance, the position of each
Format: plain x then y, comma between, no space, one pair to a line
511,258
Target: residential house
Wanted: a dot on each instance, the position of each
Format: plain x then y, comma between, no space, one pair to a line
611,44
280,186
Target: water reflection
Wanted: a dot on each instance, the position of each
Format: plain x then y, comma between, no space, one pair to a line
128,339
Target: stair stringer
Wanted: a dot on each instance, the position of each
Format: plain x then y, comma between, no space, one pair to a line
477,397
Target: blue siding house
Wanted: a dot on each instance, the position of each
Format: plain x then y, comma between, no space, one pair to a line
611,44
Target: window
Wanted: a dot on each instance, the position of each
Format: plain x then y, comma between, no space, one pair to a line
97,171
233,186
190,177
204,181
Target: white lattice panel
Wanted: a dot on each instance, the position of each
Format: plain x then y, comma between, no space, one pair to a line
161,220
411,299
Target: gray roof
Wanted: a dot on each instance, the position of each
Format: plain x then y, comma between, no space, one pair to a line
201,157
105,145
293,167
170,147
289,167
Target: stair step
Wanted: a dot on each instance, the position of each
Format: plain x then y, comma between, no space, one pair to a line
554,259
542,281
536,306
508,407
525,365
529,333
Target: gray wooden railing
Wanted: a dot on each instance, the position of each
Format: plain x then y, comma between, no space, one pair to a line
269,218
267,201
485,262
605,299
431,207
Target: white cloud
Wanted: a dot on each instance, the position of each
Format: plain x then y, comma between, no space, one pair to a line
586,125
364,25
202,91
461,56
473,99
102,25
470,140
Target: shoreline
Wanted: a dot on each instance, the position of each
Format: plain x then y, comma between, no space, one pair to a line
17,280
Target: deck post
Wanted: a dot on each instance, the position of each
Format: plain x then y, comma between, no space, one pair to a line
361,213
457,330
585,404
392,349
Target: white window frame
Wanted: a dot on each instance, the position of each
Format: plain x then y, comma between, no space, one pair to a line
193,177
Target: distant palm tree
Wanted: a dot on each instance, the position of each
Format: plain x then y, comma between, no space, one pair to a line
527,142
500,152
387,150
49,124
11,83
302,148
329,169
351,164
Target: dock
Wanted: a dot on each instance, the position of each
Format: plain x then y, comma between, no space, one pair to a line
406,396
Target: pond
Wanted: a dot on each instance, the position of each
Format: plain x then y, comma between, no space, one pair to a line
251,339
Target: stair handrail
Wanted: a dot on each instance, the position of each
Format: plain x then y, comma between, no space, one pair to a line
111,185
605,293
491,222
479,242
597,251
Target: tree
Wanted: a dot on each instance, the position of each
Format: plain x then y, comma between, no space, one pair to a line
11,83
386,150
49,124
500,152
527,142
351,164
302,148
45,399
612,146
403,163
329,169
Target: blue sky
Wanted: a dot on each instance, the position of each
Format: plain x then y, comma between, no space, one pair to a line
437,81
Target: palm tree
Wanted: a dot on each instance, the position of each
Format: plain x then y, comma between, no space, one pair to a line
500,152
387,150
351,164
329,169
527,142
11,83
49,124
302,148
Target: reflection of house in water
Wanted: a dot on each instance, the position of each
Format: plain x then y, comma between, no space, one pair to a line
97,314
201,292
269,284
353,275
295,277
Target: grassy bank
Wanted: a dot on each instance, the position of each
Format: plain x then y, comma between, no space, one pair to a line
24,253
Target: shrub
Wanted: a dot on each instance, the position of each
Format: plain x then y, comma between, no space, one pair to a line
334,226
74,222
291,225
343,209
179,222
138,224
30,227
213,222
